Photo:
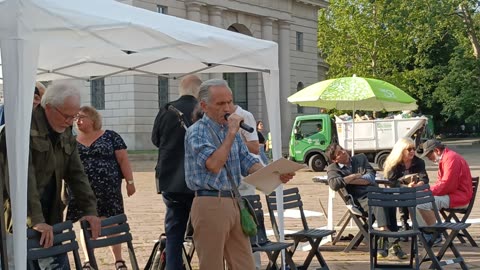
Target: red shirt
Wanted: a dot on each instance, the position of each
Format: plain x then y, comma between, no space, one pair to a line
454,179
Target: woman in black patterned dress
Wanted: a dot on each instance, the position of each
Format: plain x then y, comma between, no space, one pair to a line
104,157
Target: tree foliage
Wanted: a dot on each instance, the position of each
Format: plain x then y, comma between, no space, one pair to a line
428,48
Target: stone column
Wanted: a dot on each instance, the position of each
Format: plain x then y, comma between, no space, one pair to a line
215,19
267,34
267,28
193,11
285,87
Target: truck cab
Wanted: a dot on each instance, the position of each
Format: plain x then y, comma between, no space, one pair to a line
310,136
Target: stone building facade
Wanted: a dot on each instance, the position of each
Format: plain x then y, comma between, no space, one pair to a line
129,104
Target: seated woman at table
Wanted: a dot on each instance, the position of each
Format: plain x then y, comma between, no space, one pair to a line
355,174
403,167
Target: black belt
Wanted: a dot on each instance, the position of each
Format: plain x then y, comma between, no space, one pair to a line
215,193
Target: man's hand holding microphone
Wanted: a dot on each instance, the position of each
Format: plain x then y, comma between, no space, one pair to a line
237,121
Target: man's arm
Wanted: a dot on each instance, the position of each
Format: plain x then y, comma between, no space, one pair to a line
253,147
78,183
251,139
335,178
164,122
448,183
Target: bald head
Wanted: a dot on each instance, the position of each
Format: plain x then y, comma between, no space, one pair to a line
190,85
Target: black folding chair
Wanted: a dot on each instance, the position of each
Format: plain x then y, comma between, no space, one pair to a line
114,230
359,220
63,242
452,213
393,197
440,228
260,242
292,200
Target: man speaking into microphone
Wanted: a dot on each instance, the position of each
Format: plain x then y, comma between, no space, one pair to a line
213,146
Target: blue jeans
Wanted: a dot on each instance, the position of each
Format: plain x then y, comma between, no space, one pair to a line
176,218
59,262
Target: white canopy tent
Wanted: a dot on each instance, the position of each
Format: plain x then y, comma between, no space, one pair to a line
57,39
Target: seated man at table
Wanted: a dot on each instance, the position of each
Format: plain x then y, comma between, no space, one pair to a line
355,174
453,188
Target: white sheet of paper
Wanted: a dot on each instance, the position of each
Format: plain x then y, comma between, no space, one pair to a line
267,178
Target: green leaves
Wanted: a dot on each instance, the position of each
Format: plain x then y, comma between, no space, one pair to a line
427,48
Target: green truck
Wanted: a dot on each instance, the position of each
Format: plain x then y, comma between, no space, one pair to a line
311,135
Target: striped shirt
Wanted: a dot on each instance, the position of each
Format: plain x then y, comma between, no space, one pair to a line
199,146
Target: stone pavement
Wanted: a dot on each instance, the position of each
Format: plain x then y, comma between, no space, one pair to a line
146,211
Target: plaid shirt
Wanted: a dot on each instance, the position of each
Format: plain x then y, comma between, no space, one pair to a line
199,146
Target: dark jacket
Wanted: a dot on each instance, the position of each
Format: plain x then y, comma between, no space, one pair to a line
47,160
168,135
418,166
359,163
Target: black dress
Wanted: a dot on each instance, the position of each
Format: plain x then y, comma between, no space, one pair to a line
104,174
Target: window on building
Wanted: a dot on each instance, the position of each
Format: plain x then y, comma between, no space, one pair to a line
300,86
162,91
162,9
97,92
238,84
299,41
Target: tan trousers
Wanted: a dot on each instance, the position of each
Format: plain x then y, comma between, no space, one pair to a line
218,234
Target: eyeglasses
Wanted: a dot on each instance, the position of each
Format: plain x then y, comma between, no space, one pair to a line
410,149
80,117
66,117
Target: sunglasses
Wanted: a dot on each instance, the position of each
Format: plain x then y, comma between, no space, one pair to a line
410,149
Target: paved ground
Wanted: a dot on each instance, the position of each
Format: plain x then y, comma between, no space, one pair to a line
146,210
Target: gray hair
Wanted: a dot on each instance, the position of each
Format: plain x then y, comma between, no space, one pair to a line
57,93
204,94
190,85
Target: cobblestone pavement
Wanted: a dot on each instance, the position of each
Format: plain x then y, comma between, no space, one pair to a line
146,211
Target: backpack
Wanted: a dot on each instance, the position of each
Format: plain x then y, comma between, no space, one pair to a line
157,258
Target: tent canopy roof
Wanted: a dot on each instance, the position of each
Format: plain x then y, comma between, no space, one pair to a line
79,39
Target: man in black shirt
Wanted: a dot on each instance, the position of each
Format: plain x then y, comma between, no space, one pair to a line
168,135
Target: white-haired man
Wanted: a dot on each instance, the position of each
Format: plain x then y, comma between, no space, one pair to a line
53,158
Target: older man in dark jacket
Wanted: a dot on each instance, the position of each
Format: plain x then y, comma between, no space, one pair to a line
53,158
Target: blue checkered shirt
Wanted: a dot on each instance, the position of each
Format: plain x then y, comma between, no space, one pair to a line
199,146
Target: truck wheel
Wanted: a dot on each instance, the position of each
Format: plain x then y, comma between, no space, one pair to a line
317,163
381,161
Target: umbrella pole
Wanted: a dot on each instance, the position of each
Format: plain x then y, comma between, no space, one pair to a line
353,129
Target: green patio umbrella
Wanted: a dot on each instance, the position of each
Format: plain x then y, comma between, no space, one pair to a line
354,93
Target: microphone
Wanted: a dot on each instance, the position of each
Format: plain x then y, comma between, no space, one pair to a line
242,124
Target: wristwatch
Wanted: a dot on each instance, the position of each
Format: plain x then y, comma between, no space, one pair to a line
130,182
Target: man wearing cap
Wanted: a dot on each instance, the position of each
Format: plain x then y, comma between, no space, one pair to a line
453,188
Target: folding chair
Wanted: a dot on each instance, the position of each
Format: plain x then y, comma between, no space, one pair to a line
63,242
292,200
426,196
260,242
452,213
114,230
393,197
360,220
